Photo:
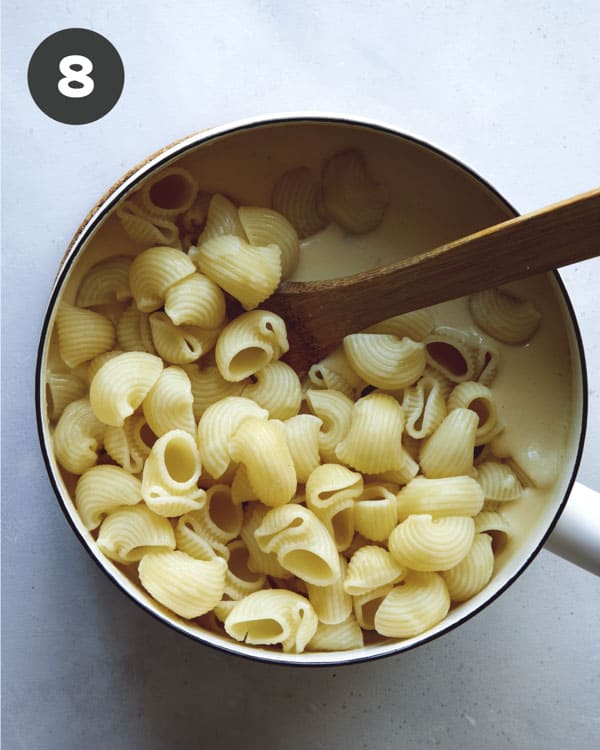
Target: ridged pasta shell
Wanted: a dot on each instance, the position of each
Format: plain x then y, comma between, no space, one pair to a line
371,567
473,572
209,386
498,481
78,437
302,433
186,586
385,361
343,636
277,389
121,384
297,195
330,493
258,560
195,301
375,512
335,411
479,399
153,271
248,273
335,372
126,445
450,496
180,345
61,389
351,196
172,468
192,538
106,282
424,543
373,443
449,451
239,579
504,316
222,219
103,489
127,534
301,542
452,352
424,407
133,331
145,228
413,325
413,607
82,334
331,603
270,617
168,405
263,226
169,193
366,605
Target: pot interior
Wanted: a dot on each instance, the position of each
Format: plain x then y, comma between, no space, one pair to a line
433,199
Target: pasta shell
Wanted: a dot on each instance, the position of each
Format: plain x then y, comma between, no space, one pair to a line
413,325
351,196
370,568
453,353
153,271
504,316
424,543
343,636
449,451
127,534
331,603
277,389
498,481
168,405
297,195
106,282
169,193
413,607
145,228
385,361
78,437
479,399
473,572
82,334
195,301
103,489
335,411
450,496
263,226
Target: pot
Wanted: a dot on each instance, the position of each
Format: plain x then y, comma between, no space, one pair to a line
438,199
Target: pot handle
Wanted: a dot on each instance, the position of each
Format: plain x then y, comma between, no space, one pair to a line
576,536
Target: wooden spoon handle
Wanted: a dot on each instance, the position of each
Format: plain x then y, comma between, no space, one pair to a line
555,236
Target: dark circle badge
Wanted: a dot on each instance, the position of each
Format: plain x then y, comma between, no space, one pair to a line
75,76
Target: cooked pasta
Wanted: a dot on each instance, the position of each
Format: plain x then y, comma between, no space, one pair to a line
249,343
127,534
351,196
498,481
168,404
222,219
145,228
409,609
331,603
373,443
258,560
424,543
126,445
263,227
239,579
247,272
82,334
370,568
241,489
366,605
478,398
451,496
121,384
277,389
424,407
217,426
170,475
335,411
453,353
187,586
168,193
261,446
504,316
473,572
413,325
101,490
302,434
61,389
342,636
301,542
375,512
275,616
334,371
133,331
195,301
153,271
106,282
209,386
180,345
192,538
297,195
78,437
193,219
384,360
331,490
449,451
96,363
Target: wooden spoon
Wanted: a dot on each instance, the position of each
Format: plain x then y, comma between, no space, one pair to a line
318,314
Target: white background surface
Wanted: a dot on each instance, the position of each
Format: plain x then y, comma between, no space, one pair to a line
511,88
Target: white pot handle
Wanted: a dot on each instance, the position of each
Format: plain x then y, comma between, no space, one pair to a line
576,536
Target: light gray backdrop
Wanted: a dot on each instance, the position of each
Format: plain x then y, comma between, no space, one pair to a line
510,87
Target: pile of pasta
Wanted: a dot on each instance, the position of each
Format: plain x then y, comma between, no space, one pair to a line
324,512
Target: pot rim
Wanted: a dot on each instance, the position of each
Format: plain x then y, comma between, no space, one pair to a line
85,231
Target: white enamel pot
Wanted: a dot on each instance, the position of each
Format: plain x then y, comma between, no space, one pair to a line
444,200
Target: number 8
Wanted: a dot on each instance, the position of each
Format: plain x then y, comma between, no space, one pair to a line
79,76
